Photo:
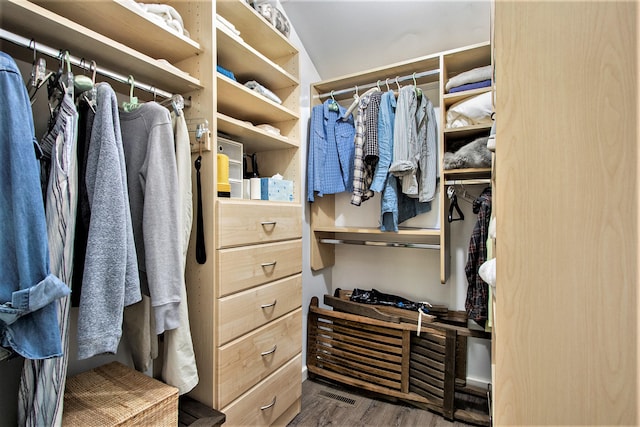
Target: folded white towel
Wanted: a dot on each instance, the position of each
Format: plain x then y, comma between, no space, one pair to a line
165,15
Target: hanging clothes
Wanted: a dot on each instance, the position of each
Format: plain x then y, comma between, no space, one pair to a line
386,119
110,280
427,136
41,392
179,363
405,144
395,207
149,151
477,300
371,148
415,145
28,319
83,213
331,151
361,174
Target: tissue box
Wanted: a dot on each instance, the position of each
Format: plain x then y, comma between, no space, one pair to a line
280,190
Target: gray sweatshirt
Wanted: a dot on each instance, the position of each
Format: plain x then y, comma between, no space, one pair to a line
147,136
110,281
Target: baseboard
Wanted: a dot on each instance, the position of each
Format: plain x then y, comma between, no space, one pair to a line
305,373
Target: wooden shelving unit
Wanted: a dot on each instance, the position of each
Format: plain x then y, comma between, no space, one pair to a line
445,65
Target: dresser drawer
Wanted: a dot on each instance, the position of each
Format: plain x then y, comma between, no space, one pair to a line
244,223
263,404
248,266
245,311
248,360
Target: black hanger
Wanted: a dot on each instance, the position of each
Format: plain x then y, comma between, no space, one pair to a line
453,204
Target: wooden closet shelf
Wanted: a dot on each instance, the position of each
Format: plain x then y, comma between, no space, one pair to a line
238,101
427,232
247,63
33,21
426,63
466,131
264,38
253,138
470,173
134,28
451,98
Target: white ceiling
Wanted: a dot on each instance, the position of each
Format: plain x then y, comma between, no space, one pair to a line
349,36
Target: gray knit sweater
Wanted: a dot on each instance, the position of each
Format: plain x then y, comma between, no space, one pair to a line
110,281
147,136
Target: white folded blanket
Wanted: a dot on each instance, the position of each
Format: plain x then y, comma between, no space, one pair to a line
165,15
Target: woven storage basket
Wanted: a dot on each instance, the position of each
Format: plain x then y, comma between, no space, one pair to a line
115,395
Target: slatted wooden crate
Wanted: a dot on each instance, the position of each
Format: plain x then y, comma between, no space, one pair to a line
427,365
389,358
365,352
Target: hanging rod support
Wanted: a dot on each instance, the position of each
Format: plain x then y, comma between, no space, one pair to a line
380,243
370,85
55,53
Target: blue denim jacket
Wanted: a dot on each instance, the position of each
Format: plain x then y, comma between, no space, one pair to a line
28,290
331,151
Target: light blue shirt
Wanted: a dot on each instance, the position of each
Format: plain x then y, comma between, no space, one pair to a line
331,151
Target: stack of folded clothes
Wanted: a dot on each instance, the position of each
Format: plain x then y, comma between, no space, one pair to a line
472,79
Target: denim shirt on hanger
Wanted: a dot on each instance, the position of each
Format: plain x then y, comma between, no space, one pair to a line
331,151
28,319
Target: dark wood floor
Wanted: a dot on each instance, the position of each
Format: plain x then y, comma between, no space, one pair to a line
329,404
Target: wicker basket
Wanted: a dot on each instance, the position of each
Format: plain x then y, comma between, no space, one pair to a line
115,395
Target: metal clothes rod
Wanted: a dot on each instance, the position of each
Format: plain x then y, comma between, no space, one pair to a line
380,243
55,53
370,85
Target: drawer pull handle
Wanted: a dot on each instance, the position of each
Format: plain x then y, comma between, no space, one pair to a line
273,402
268,352
268,264
269,305
265,223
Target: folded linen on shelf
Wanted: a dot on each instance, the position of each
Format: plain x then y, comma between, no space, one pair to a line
471,111
164,15
253,85
469,86
471,76
226,72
